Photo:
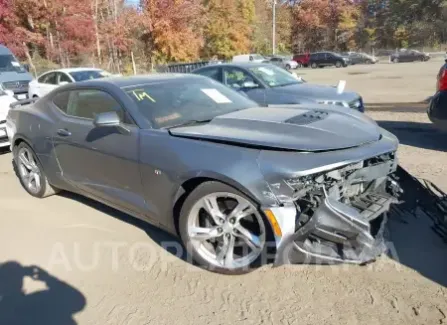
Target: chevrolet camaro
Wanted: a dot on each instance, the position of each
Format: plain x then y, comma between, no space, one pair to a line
240,184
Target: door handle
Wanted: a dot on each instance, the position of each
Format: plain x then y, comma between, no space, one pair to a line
63,132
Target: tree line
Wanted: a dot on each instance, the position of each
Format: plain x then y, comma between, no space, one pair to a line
109,32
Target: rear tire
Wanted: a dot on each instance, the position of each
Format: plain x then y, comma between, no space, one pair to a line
30,172
210,232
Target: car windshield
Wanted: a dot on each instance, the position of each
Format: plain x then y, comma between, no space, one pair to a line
88,74
275,76
170,103
8,63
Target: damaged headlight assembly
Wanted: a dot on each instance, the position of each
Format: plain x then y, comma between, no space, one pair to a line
339,214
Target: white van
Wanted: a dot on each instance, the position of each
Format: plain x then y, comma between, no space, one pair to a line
249,58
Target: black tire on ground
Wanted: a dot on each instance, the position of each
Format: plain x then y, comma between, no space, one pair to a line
338,64
395,60
198,193
288,67
314,65
299,65
46,189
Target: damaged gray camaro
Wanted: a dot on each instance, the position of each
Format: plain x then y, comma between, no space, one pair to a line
238,183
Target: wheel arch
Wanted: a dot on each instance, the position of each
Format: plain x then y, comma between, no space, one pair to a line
192,182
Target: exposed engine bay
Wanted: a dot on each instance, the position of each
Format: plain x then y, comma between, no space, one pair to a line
341,213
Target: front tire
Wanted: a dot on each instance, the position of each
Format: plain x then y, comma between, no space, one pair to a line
223,230
338,64
288,67
314,65
30,172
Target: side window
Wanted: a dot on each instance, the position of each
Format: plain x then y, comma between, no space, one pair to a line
213,73
88,103
49,78
237,78
61,100
64,78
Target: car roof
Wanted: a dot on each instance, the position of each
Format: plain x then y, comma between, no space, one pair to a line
124,82
68,70
4,50
237,65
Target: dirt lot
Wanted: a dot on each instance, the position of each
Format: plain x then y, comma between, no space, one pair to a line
106,268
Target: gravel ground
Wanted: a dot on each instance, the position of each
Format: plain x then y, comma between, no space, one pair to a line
106,268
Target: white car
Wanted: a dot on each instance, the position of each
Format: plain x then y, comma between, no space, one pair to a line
6,99
50,80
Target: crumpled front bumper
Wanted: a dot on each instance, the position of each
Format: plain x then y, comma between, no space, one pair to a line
336,233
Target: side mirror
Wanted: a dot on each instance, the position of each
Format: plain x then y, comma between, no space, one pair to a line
62,83
109,119
26,67
249,84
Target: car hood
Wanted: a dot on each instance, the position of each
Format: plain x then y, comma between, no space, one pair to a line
292,127
317,92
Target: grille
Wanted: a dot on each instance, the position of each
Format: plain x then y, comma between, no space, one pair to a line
15,84
308,118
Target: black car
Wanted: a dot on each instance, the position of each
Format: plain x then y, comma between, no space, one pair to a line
325,59
405,55
437,111
268,84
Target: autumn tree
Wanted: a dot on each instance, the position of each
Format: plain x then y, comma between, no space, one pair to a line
172,29
227,31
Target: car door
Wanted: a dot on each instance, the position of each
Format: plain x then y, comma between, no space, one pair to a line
46,83
330,59
276,61
240,80
63,79
102,161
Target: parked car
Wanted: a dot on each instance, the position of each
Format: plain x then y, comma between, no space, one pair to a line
52,79
6,99
232,179
405,55
13,75
257,58
359,58
437,111
325,59
302,59
283,62
267,84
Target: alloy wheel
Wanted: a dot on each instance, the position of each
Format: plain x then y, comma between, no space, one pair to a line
29,170
226,230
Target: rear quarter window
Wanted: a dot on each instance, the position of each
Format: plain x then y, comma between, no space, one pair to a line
61,100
